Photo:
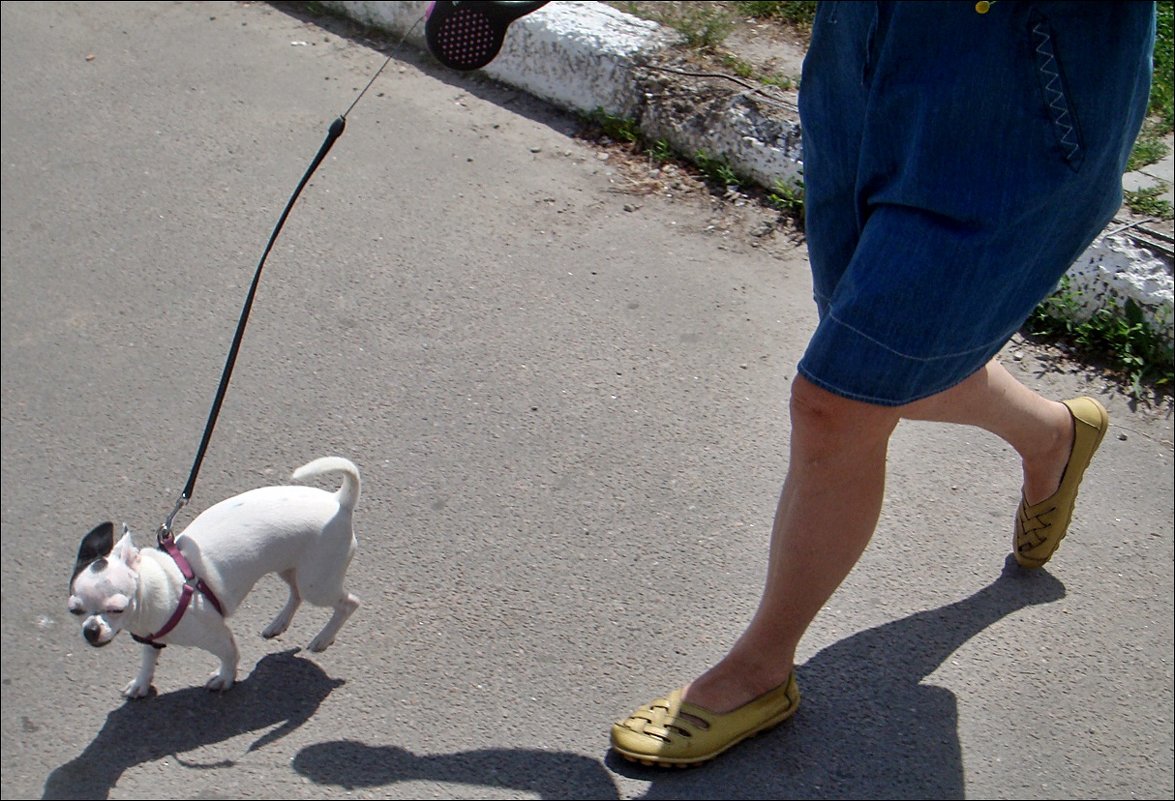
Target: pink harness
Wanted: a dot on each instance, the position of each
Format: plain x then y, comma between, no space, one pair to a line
191,584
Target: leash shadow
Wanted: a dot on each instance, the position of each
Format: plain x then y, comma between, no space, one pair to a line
281,694
867,726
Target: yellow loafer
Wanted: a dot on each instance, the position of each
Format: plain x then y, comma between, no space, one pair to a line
1041,527
672,732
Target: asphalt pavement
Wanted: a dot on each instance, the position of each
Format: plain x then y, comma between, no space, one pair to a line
568,402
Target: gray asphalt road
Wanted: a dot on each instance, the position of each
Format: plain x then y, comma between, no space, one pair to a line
569,406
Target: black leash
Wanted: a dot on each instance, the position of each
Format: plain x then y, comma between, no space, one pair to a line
333,133
461,35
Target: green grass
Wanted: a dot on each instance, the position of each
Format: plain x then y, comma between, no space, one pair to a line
788,197
622,129
747,71
716,170
1149,146
661,152
1148,149
1162,99
1149,202
1120,337
704,25
797,14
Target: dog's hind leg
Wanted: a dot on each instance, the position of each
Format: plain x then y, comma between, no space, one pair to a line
343,607
282,621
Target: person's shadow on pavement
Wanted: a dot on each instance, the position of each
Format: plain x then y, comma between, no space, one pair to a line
282,691
867,726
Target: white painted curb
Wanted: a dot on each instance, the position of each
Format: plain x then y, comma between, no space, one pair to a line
577,55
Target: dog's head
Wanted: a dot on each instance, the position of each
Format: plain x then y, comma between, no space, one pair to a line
105,583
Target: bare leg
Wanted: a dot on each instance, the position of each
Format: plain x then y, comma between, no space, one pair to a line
1040,430
838,452
838,455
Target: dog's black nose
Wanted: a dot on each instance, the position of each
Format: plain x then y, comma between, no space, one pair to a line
92,633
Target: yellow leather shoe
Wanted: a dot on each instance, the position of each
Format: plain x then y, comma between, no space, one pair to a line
1041,527
672,732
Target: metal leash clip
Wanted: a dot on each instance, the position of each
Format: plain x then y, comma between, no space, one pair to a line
164,533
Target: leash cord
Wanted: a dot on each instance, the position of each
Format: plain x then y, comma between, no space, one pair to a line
333,133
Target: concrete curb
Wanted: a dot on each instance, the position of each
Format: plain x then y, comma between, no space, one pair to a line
586,57
579,56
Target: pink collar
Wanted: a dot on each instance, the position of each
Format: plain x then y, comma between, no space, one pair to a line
191,585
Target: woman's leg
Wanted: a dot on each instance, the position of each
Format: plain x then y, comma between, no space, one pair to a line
831,502
826,515
1040,430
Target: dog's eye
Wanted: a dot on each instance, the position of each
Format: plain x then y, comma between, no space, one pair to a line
115,611
78,612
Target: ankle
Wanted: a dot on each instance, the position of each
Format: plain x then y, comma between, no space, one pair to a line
1045,465
729,684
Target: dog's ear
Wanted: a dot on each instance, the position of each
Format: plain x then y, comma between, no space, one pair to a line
95,545
125,551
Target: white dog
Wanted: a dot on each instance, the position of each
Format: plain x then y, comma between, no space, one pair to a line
182,592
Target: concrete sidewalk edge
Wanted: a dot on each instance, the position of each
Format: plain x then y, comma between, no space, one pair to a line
586,57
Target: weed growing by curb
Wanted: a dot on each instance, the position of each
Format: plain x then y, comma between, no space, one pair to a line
788,197
660,152
1119,335
797,13
1149,202
703,25
716,170
785,197
622,129
1149,147
1162,99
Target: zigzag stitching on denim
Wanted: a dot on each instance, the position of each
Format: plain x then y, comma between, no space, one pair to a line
1056,99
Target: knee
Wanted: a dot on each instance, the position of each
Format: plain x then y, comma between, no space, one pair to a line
824,414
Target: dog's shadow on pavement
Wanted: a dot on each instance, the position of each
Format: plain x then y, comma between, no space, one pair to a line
867,727
541,774
281,694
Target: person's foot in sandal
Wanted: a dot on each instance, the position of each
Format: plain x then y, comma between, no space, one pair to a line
1041,526
670,732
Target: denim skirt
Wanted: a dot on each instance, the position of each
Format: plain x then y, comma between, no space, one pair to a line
957,159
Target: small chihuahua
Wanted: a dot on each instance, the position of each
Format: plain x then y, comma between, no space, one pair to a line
182,592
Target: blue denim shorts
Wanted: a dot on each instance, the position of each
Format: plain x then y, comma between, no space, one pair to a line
955,165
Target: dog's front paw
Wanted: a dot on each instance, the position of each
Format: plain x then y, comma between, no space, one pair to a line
320,643
276,628
219,682
137,689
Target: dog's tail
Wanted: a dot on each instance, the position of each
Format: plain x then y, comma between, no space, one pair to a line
348,494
